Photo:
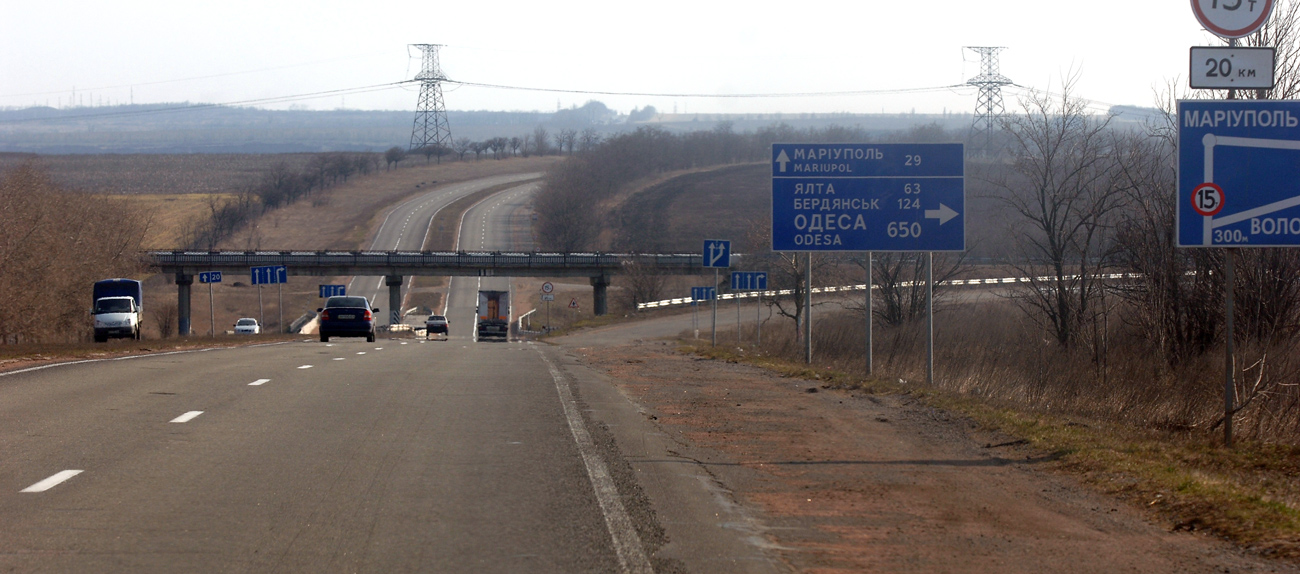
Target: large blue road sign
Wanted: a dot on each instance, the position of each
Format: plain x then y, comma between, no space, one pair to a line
704,293
717,253
270,274
868,197
210,277
1238,173
748,280
333,290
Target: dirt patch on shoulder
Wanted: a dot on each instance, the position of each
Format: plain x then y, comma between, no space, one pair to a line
848,482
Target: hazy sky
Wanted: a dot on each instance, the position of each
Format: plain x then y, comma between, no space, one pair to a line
237,51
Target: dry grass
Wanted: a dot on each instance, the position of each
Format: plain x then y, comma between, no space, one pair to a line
1130,429
170,213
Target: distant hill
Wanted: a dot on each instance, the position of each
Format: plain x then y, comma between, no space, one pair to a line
198,128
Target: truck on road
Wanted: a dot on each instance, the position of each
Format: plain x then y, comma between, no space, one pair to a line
118,309
493,314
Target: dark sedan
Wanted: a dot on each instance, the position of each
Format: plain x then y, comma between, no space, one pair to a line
347,317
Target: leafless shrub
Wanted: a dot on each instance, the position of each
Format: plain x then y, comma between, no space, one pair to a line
54,245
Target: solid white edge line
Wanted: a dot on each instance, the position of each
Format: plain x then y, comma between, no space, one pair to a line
627,544
128,358
259,382
187,417
52,481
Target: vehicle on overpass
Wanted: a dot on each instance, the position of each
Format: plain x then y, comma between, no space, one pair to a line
347,316
118,309
247,326
493,314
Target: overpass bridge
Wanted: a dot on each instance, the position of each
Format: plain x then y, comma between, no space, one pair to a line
395,266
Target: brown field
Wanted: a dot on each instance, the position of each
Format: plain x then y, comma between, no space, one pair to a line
170,213
169,174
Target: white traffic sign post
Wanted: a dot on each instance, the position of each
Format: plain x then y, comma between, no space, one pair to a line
1230,19
1228,67
548,296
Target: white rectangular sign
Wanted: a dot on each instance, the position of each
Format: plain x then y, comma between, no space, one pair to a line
1222,67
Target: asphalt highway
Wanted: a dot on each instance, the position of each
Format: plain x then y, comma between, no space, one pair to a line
402,455
406,227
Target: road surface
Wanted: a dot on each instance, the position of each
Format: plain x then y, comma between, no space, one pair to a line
396,456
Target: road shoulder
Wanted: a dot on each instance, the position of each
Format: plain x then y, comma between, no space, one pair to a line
838,481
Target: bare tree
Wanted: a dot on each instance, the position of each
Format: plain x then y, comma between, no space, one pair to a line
1064,189
540,137
588,140
393,156
462,146
567,140
515,144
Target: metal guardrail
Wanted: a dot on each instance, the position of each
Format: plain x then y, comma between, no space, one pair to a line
422,262
863,287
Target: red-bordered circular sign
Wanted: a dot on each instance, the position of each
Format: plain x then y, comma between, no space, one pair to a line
1208,198
1232,18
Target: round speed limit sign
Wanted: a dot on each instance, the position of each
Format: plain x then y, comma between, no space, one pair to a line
1232,18
1207,199
547,287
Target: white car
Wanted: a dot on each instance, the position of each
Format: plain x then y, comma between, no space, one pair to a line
247,326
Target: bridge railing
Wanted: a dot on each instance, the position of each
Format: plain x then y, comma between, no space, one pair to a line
412,259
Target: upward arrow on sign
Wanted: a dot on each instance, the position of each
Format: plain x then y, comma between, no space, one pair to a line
782,159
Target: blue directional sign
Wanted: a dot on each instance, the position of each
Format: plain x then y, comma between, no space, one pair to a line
868,197
270,274
333,290
1239,173
704,293
210,277
748,280
717,253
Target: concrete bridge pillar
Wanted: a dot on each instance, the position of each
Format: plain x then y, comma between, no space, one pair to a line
394,283
183,283
600,297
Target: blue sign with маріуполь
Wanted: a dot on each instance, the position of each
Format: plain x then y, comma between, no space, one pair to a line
1238,173
868,197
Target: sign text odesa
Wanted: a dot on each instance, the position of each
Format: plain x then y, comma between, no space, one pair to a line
868,197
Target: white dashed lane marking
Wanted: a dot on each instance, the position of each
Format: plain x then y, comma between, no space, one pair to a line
339,359
187,417
52,481
305,367
361,352
259,382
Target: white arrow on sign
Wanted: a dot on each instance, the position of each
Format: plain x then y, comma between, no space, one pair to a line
782,159
944,214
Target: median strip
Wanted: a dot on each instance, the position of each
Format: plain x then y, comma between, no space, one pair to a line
52,481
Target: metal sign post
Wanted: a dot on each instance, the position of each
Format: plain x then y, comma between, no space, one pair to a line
268,274
868,306
211,277
807,308
717,255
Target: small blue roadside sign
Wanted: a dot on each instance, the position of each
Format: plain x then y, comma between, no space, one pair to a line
748,280
333,290
704,293
270,274
868,197
210,277
717,253
1239,173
